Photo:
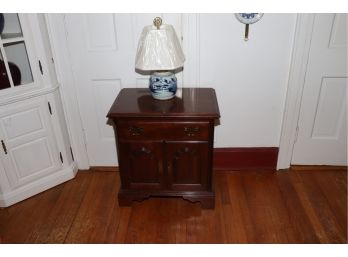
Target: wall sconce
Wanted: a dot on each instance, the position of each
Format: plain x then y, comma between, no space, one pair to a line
159,51
248,18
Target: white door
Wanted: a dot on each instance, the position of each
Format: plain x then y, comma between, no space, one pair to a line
102,49
322,125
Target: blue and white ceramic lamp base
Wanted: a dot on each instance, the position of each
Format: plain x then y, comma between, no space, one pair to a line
163,85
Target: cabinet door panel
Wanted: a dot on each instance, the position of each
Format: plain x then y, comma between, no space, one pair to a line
31,150
188,165
141,165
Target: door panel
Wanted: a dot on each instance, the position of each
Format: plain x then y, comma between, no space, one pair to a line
322,125
188,165
102,49
142,165
31,148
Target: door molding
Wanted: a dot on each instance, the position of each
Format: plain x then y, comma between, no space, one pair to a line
191,46
58,39
298,69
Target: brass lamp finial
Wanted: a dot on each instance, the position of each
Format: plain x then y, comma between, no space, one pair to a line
157,22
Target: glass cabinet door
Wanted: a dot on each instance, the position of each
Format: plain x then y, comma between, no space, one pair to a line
15,68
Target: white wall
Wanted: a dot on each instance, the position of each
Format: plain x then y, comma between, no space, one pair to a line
250,78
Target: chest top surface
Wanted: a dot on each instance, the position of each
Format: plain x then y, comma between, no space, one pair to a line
137,102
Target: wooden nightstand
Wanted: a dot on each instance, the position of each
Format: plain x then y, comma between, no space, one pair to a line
165,148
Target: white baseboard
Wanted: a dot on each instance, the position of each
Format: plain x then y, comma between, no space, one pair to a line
38,186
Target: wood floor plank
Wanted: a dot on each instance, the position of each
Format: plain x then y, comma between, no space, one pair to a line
296,206
140,229
115,218
103,207
24,225
122,228
192,212
65,210
318,201
216,217
166,218
236,214
207,224
196,225
269,221
334,195
181,227
282,214
44,214
90,224
154,221
296,212
313,215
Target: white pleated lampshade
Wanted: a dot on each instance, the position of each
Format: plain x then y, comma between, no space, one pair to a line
159,49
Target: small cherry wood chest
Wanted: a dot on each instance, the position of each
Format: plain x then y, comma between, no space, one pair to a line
165,148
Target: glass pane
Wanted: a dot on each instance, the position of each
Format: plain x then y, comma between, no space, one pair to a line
10,26
18,61
4,81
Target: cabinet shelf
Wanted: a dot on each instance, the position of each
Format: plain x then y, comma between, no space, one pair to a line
11,35
12,40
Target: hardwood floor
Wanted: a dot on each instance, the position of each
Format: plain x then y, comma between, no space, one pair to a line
297,206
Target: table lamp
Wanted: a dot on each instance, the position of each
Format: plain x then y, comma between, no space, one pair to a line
159,51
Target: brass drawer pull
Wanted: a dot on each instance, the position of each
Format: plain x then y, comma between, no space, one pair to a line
135,131
4,146
191,131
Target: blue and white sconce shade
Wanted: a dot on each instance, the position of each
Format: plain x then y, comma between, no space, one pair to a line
160,52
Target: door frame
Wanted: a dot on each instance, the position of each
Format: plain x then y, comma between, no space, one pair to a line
297,75
58,38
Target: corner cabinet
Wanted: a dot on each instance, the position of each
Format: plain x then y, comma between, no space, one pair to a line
165,148
35,152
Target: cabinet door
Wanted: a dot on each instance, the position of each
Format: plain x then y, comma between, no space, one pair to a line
141,165
188,166
28,150
19,66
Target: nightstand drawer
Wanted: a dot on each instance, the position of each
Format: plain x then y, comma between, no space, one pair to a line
147,130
